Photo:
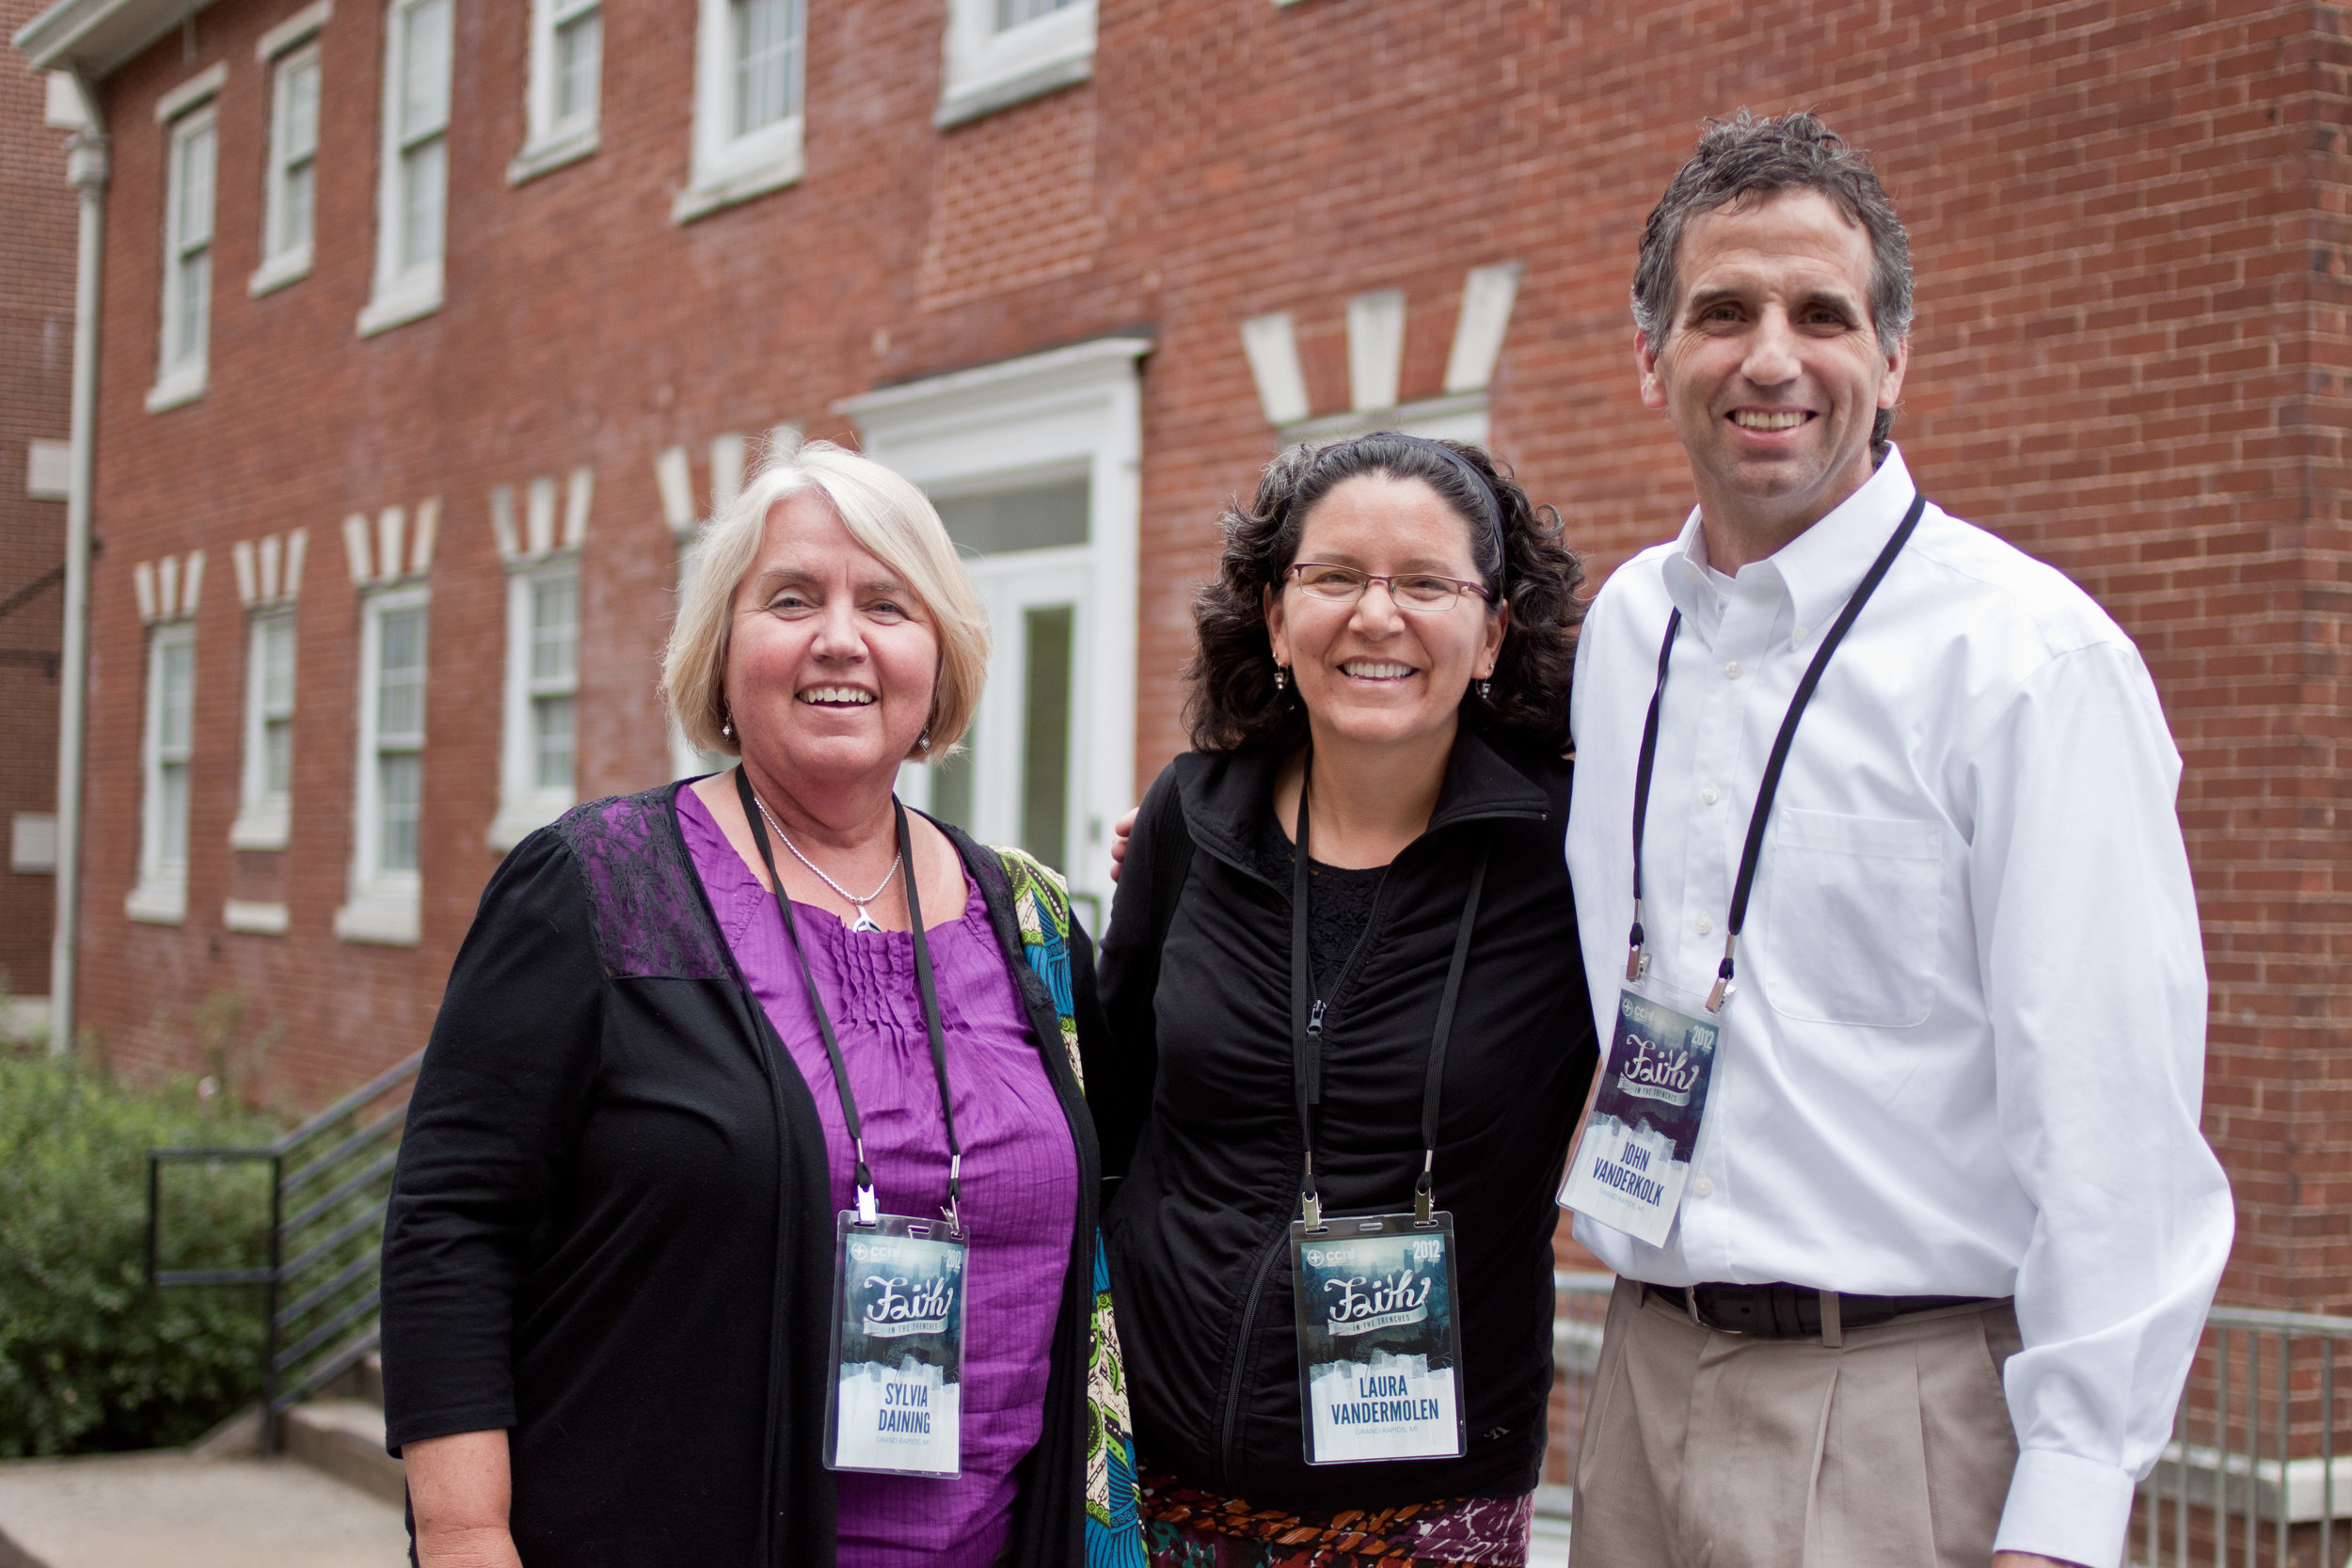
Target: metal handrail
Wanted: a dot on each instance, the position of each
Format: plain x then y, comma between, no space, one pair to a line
318,1153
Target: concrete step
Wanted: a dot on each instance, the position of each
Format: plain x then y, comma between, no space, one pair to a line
344,1438
156,1508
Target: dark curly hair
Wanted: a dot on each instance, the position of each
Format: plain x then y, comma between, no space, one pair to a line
1233,704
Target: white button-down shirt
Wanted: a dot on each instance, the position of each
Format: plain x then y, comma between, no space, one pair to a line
1967,1048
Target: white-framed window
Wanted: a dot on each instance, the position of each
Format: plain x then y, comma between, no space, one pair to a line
167,746
1000,52
191,160
1033,464
266,789
560,104
412,196
535,784
290,194
387,799
749,57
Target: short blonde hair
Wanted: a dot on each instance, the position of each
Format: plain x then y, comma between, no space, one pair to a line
892,521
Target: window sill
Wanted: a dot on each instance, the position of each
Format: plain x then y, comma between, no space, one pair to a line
402,304
160,901
552,153
517,820
277,272
262,828
381,916
254,919
702,199
179,387
960,102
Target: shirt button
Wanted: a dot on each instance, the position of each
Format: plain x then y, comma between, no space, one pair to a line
1705,924
1702,1188
1731,670
1710,795
1798,635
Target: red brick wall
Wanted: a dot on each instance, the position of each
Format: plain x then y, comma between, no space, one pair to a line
36,250
2128,221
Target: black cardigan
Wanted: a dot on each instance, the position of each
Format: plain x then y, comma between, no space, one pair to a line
1195,1108
612,1229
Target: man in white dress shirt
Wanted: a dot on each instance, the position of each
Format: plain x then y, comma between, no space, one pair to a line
1947,1228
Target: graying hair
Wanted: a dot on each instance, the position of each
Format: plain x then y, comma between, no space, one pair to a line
1745,156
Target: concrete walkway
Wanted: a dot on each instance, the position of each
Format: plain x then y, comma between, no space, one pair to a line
170,1509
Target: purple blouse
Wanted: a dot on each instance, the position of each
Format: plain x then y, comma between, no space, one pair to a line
1020,1170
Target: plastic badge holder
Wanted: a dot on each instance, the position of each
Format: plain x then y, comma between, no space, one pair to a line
897,1402
1379,1343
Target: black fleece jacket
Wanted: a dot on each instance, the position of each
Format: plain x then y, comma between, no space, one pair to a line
1195,1108
611,1231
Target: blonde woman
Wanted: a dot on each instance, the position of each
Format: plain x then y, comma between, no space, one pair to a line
711,1051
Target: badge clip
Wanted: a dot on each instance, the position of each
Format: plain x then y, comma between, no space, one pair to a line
1636,948
1424,1193
1725,989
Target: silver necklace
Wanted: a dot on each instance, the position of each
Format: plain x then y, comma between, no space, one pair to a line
863,922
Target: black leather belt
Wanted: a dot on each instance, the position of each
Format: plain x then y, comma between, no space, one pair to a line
1791,1311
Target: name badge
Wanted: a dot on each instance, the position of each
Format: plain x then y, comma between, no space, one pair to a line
1631,1165
1380,1349
897,1404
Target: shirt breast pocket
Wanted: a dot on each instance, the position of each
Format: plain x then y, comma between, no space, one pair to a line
1854,915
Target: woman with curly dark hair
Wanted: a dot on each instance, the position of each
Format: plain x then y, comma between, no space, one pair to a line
1349,1029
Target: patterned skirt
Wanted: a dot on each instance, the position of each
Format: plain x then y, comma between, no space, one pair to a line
1184,1527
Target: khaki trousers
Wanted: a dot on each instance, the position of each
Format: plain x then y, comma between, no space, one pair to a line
1703,1449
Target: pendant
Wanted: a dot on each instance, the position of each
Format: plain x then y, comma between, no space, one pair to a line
863,922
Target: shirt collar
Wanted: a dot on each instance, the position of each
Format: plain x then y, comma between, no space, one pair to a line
1817,570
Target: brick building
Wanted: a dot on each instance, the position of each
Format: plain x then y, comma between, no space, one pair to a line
431,326
36,380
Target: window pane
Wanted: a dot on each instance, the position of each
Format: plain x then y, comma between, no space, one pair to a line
767,62
1045,735
293,208
277,651
951,784
175,716
1036,519
425,69
399,790
551,722
300,84
193,303
172,847
422,173
578,44
554,630
196,188
277,756
400,679
1012,13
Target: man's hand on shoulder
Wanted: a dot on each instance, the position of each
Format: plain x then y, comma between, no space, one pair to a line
2028,1559
1120,831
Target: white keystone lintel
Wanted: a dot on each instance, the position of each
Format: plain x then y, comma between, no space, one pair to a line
1376,349
254,918
1272,345
1488,295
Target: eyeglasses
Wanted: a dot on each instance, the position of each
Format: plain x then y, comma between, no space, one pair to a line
1420,591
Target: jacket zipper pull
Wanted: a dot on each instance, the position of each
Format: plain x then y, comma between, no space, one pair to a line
1314,1020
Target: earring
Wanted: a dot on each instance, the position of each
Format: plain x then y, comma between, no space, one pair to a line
1282,679
726,726
923,743
1485,691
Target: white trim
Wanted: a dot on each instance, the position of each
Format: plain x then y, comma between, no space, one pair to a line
180,379
205,84
1376,349
1068,411
297,28
254,918
984,70
160,895
33,842
727,168
550,142
263,820
1271,344
281,267
523,803
404,291
1488,296
1462,418
48,469
384,906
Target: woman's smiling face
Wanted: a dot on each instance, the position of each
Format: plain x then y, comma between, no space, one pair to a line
832,664
1370,672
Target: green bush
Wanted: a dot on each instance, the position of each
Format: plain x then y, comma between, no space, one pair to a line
91,1357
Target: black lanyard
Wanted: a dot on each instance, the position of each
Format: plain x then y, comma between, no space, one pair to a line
1637,953
1307,1030
824,1023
